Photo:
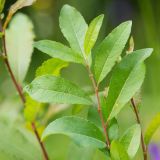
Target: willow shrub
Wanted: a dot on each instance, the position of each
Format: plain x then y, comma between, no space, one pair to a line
99,129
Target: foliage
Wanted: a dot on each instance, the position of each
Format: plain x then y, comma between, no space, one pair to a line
17,44
98,129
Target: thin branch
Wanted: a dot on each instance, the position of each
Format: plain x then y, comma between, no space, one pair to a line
144,147
95,86
19,90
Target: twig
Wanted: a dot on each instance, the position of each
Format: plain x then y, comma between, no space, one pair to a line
95,86
144,148
19,90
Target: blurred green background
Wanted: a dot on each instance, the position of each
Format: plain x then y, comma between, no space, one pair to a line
146,32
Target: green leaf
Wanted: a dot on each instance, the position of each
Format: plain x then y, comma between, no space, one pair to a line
113,130
52,66
31,109
107,53
58,50
1,34
153,126
17,143
19,42
131,140
92,33
51,89
81,131
127,78
118,152
2,3
73,27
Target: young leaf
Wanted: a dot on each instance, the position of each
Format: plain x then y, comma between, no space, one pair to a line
107,53
52,66
92,33
153,126
126,80
79,130
32,108
20,4
58,50
118,152
20,47
2,2
113,130
73,27
51,89
131,140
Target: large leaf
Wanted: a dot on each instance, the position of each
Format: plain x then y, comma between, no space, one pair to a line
131,140
73,27
107,53
19,42
53,89
80,130
18,143
118,152
126,80
52,66
152,128
92,33
58,50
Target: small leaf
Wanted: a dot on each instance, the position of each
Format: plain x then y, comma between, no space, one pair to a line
92,33
58,50
52,66
107,53
79,130
2,3
1,34
126,80
19,42
32,108
153,126
51,89
131,140
73,27
118,152
20,4
113,130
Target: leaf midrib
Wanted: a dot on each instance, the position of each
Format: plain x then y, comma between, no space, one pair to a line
111,52
76,36
66,93
123,86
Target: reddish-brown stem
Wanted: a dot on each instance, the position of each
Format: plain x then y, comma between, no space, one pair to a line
144,147
19,90
40,142
95,86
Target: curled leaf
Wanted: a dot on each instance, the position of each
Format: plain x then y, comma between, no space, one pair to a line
52,66
20,4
